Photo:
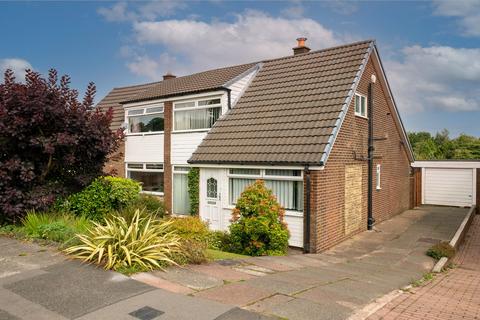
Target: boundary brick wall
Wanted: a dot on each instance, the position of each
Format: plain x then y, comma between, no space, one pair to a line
328,185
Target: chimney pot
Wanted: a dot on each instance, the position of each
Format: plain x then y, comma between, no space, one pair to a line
301,47
168,76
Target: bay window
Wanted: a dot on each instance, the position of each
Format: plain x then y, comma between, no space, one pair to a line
150,175
196,115
286,185
149,119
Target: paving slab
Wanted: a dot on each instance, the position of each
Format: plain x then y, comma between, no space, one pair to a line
158,282
302,309
277,285
242,314
269,303
221,272
63,285
238,294
173,306
188,278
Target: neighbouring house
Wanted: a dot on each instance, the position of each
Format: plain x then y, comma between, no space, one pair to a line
303,123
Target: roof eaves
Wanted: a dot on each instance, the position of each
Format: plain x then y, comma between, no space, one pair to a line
256,67
346,104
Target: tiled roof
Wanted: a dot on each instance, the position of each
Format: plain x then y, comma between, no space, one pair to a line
202,81
115,97
289,112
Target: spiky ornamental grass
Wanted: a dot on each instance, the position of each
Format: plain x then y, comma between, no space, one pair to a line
141,242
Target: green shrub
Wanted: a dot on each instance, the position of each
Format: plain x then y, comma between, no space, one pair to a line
142,243
193,190
442,249
53,226
257,223
195,237
103,195
219,240
150,204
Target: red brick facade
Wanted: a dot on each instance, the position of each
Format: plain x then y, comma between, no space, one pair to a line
116,162
328,196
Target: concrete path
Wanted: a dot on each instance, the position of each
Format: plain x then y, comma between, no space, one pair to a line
39,283
451,295
331,285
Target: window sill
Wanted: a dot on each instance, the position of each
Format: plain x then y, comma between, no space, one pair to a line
360,116
144,133
191,131
153,193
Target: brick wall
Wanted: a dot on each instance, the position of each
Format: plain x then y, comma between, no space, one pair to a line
167,164
328,185
116,162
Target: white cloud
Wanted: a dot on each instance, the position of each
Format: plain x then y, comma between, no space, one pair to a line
436,78
18,66
121,11
468,11
252,36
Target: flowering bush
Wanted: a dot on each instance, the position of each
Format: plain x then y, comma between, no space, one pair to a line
51,143
258,227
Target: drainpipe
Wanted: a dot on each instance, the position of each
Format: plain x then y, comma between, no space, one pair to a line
306,237
371,148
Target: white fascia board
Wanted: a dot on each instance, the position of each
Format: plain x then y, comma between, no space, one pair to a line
237,166
454,164
346,104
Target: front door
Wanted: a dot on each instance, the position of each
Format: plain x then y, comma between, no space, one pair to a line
211,198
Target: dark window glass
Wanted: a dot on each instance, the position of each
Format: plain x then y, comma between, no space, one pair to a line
146,123
151,181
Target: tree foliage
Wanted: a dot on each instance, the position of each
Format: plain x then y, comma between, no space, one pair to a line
51,143
441,146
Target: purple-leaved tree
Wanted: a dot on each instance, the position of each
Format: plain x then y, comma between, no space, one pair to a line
51,144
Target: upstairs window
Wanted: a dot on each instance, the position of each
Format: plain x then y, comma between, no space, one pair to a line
143,120
196,115
360,105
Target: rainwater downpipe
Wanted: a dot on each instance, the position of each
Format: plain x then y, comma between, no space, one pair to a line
308,186
371,149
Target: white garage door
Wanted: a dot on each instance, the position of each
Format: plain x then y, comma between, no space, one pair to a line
448,186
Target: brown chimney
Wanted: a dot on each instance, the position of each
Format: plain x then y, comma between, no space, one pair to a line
168,76
301,47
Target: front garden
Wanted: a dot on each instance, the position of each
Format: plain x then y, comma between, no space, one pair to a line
53,189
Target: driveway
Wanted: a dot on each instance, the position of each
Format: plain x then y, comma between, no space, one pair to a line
39,283
451,295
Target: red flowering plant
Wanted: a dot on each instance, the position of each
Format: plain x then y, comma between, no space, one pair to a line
258,226
51,144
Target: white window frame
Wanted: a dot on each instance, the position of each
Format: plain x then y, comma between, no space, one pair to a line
196,107
144,169
379,173
144,108
359,114
263,176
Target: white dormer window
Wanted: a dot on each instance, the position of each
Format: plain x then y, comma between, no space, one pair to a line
360,105
196,115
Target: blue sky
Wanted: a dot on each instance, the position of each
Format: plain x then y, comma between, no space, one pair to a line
430,49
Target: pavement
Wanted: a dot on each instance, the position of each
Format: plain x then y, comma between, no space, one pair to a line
451,295
40,283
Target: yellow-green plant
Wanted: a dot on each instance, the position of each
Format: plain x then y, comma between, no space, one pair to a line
141,242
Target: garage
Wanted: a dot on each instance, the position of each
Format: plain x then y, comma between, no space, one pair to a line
449,183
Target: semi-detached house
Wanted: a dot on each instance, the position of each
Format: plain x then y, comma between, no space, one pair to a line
312,125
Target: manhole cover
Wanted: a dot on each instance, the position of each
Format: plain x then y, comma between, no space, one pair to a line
146,313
